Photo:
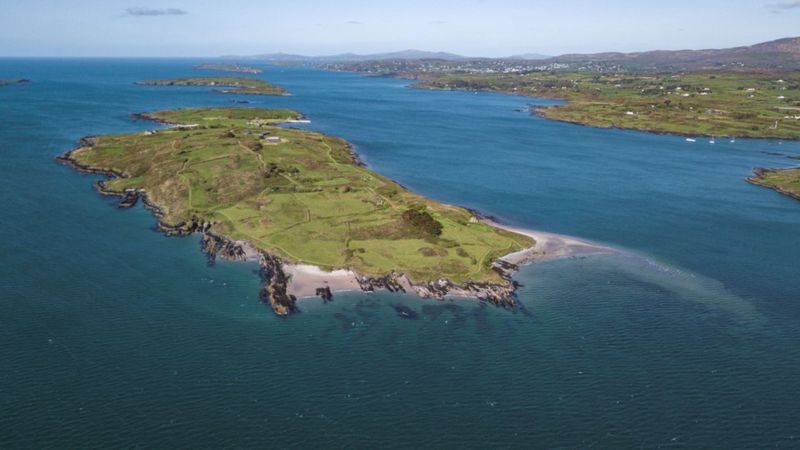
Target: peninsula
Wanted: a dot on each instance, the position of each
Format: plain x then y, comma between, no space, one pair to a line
756,105
301,204
228,68
785,181
227,85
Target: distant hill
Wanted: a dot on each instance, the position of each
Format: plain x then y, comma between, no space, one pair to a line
779,54
529,56
351,57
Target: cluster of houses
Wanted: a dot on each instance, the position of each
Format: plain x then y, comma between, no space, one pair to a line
259,122
474,66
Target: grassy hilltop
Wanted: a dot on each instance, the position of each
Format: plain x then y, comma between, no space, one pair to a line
759,105
228,85
297,194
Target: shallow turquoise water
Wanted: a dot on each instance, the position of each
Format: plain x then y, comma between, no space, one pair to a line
114,335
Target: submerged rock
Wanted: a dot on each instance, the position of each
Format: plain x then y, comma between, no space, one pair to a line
129,199
404,312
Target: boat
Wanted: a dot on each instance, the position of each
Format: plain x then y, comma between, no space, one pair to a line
691,140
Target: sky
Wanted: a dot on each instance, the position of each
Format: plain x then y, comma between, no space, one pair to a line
496,28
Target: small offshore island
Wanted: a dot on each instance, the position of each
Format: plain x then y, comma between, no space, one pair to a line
10,82
225,85
228,68
302,205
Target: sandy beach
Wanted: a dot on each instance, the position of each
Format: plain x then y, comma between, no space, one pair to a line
305,278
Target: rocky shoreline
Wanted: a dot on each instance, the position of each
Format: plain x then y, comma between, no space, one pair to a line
759,172
276,281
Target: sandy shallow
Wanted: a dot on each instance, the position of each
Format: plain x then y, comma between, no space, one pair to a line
305,279
549,246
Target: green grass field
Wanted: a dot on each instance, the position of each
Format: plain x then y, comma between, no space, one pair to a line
763,105
785,181
297,194
232,85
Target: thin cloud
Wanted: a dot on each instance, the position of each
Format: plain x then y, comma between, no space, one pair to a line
152,12
354,22
785,6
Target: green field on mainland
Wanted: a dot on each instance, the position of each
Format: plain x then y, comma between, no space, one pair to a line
228,85
298,194
759,105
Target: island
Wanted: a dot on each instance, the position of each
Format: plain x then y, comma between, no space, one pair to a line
785,181
228,68
227,85
302,205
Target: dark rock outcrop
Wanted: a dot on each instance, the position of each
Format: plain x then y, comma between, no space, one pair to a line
275,289
325,293
390,282
214,245
129,199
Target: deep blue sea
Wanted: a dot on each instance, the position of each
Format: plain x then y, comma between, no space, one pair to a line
113,335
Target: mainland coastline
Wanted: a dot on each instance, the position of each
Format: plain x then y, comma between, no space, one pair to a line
756,104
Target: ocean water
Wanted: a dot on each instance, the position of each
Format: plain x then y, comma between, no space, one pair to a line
114,335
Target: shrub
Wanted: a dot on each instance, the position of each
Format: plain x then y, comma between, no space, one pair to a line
739,115
422,221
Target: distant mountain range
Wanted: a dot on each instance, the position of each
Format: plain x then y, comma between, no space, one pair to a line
779,54
351,57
